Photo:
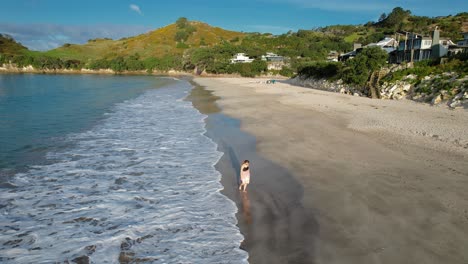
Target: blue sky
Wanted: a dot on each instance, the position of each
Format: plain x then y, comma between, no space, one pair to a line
46,24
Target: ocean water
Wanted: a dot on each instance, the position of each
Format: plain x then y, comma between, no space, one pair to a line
132,180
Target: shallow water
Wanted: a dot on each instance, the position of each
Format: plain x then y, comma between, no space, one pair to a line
138,185
37,111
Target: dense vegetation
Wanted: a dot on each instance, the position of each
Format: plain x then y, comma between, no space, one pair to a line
355,71
457,64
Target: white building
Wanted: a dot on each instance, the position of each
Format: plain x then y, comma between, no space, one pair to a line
418,48
272,57
241,58
387,44
464,42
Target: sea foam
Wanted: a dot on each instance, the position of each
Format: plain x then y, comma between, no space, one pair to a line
140,186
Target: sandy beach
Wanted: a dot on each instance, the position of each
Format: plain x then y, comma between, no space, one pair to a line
343,179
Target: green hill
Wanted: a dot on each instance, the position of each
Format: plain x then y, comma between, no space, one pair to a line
9,46
400,20
157,43
189,45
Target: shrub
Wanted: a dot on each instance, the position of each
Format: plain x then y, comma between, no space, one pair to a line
181,36
320,70
285,71
358,70
182,45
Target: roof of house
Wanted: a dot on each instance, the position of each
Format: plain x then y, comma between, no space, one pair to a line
384,42
351,53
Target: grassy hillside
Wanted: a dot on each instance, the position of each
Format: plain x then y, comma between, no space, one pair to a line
189,45
9,46
400,20
157,43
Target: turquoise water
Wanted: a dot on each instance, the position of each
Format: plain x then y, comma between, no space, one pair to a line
36,111
102,167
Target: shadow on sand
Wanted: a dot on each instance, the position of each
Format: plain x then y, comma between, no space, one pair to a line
275,225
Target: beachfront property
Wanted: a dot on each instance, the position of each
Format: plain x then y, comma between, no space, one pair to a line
270,56
348,55
274,61
461,47
241,58
388,44
416,47
463,42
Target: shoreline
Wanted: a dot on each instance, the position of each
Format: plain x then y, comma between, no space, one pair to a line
31,70
385,180
275,225
174,73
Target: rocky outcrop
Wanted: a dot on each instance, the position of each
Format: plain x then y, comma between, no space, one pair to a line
322,84
439,89
443,89
396,91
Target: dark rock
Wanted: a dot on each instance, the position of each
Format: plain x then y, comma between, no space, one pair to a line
81,260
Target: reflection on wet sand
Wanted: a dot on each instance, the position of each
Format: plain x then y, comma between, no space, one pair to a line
246,208
275,226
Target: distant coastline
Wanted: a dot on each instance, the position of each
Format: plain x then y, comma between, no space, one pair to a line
398,91
12,69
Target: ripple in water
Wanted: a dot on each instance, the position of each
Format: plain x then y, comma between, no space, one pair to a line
140,187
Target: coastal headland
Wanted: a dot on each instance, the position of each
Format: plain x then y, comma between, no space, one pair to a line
362,180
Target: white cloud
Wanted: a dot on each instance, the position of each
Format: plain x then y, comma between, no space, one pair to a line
50,36
136,9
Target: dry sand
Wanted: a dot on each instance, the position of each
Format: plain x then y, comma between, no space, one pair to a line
385,181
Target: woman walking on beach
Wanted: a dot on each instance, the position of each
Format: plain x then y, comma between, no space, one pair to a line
244,175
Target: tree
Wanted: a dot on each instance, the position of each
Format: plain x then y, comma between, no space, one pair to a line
118,64
181,22
358,70
133,63
203,58
181,36
382,17
395,18
258,66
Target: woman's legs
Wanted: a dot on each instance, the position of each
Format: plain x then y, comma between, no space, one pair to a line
243,187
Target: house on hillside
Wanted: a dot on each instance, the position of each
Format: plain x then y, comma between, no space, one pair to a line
272,57
464,42
460,47
274,61
387,44
241,58
349,55
417,47
414,48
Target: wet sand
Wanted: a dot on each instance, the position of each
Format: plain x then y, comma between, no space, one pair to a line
344,179
275,225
